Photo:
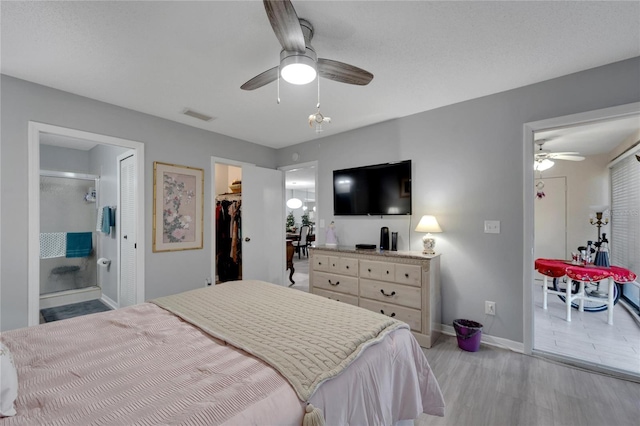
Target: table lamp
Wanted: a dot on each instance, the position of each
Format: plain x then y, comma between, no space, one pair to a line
428,224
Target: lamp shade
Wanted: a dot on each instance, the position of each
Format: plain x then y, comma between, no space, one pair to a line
298,68
543,165
294,203
428,224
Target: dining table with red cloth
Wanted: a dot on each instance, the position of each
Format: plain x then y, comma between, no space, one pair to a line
557,268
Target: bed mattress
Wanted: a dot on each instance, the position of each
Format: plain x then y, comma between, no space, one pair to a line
144,365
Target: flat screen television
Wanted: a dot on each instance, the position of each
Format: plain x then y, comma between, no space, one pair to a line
380,189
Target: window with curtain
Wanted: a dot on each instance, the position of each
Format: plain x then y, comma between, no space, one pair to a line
625,220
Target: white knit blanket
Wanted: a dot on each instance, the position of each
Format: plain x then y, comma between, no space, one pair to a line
307,338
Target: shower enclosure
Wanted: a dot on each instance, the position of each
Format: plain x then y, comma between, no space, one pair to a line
68,223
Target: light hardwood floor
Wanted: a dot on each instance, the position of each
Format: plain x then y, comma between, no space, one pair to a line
588,337
497,387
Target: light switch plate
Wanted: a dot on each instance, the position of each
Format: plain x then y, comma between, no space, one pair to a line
491,226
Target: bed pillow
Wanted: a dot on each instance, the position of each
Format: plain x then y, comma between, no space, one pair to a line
8,382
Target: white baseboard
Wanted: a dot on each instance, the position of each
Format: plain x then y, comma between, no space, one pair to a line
489,340
67,297
107,301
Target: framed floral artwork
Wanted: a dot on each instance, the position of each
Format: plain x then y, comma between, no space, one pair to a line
178,194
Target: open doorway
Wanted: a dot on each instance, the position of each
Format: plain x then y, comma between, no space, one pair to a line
571,205
228,222
301,223
247,236
75,256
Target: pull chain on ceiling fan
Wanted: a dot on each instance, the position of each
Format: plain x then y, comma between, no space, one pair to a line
299,63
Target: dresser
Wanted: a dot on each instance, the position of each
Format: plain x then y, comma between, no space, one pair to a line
401,284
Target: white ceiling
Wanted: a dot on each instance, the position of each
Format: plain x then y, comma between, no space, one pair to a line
162,57
595,138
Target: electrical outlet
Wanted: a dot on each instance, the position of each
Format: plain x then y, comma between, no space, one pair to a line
489,308
491,226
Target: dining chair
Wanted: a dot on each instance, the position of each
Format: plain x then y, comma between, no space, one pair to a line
301,244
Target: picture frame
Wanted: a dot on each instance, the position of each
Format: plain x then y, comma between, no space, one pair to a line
178,207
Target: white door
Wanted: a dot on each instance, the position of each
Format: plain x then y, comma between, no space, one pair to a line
263,224
551,220
126,215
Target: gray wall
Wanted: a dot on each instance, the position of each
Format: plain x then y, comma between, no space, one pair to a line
103,162
467,167
164,140
63,159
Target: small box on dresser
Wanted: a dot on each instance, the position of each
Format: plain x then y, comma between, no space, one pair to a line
402,285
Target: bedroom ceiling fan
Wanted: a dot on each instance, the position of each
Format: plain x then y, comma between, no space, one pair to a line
299,63
543,157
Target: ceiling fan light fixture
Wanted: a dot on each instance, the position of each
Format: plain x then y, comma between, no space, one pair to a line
543,165
298,68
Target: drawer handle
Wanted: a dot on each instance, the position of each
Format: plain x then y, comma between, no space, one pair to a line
334,264
319,263
387,272
393,293
347,266
406,275
370,270
337,282
393,314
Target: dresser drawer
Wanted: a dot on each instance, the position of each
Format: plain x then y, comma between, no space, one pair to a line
352,300
343,265
377,270
408,315
320,262
335,282
408,274
387,292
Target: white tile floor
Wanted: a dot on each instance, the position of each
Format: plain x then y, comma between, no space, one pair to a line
587,337
301,274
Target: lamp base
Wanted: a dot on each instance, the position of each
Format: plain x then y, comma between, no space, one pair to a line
429,244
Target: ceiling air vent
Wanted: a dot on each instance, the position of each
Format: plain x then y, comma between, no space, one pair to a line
198,115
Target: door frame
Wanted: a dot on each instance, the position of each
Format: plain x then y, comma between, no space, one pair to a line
33,176
528,207
225,161
214,161
306,165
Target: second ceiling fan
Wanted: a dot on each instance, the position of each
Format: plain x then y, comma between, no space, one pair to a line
543,157
295,34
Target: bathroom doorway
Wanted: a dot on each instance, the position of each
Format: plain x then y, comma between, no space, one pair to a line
73,210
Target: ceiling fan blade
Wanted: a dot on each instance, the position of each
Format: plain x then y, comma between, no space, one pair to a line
261,79
344,73
286,25
567,157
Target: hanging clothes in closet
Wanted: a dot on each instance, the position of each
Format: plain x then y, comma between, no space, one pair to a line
228,237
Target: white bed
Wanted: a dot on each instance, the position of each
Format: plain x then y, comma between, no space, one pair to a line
145,365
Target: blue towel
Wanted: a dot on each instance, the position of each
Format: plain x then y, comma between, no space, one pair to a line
79,244
108,219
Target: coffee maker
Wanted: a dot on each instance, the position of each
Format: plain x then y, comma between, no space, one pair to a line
384,238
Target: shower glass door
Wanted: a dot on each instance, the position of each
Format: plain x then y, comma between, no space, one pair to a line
67,206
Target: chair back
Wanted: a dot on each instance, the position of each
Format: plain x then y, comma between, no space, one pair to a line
304,231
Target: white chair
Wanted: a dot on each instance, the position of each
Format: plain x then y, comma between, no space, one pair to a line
301,244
